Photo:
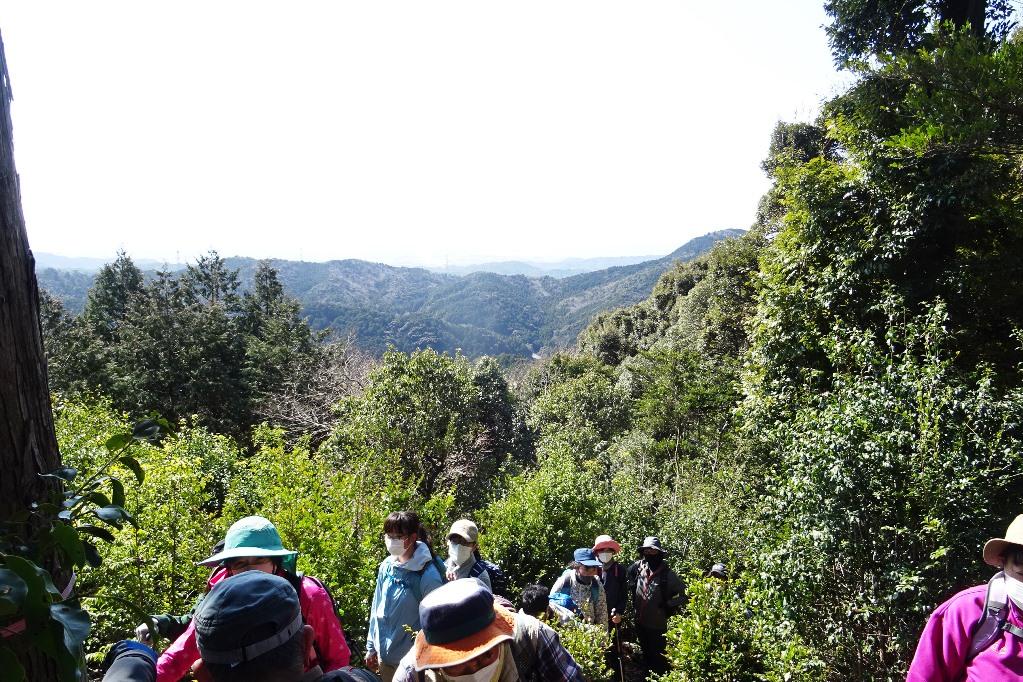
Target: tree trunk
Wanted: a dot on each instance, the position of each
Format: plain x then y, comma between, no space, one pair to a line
28,444
960,12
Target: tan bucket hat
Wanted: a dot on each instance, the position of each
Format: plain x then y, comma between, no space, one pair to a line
994,547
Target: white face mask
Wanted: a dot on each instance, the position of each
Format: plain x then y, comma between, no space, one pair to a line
1014,588
395,546
605,557
486,674
459,553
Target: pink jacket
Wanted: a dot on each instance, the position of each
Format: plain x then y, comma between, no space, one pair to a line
945,643
317,611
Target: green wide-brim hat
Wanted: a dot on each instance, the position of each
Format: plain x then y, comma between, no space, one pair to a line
251,536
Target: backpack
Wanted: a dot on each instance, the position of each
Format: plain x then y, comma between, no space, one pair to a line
437,563
992,622
498,580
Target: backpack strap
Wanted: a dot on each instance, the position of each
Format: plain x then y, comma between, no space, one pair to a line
993,620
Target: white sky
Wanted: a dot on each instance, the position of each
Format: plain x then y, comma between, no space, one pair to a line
401,131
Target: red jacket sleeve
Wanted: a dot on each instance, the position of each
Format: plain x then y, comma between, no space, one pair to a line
318,611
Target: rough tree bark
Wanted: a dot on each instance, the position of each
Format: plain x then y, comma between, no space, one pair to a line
28,444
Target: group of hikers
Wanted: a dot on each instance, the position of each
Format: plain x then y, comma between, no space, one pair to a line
443,620
447,620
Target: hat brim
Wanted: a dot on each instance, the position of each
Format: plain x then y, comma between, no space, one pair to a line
993,550
238,552
429,656
592,563
608,544
659,549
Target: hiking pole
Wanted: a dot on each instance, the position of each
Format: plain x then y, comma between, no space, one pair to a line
618,643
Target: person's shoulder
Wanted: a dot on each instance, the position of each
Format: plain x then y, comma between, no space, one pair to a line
313,587
968,603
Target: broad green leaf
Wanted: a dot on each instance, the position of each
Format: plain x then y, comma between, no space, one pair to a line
67,539
117,494
117,442
148,429
13,592
64,473
136,468
96,531
91,554
75,622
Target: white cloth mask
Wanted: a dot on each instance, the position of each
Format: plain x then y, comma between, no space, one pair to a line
1014,588
459,553
486,674
605,557
395,546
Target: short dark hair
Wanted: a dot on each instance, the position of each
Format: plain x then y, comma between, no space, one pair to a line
535,599
283,662
402,523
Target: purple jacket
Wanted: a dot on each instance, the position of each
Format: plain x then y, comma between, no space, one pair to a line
945,643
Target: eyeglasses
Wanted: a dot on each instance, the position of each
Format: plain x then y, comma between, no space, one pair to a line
246,563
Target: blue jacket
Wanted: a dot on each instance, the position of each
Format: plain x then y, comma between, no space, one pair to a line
400,588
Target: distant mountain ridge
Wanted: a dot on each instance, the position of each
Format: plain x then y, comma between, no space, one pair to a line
481,313
562,268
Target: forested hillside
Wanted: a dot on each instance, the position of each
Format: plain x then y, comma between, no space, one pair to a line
408,308
830,403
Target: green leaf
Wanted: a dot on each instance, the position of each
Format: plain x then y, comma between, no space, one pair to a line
67,539
148,429
76,626
117,495
13,591
136,468
41,590
10,668
118,441
64,473
91,554
98,498
114,515
97,532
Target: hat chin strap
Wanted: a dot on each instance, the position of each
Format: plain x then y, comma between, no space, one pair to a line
247,653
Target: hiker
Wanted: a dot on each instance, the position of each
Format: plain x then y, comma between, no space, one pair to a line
253,544
717,571
409,573
464,637
463,554
612,573
170,626
250,627
581,583
612,576
978,633
656,593
539,654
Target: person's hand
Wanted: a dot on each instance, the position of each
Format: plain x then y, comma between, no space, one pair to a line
143,635
372,661
200,673
616,618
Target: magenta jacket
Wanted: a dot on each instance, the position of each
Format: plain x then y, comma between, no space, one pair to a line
945,643
317,611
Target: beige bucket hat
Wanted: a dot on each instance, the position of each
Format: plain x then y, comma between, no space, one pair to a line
994,547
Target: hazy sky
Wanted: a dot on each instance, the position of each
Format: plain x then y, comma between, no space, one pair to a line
401,131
